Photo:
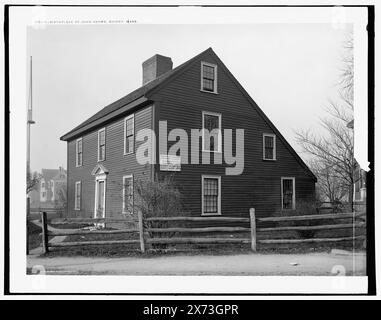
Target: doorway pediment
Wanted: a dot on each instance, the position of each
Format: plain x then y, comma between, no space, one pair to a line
99,169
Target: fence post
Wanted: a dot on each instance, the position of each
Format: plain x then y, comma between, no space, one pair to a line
27,223
253,230
45,239
141,232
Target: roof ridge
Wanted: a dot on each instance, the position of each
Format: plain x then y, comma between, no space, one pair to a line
131,97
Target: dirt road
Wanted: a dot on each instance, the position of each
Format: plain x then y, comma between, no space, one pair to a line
243,264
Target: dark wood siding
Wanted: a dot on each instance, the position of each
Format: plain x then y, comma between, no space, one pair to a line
116,163
259,186
181,103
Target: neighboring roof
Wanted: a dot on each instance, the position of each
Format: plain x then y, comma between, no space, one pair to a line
131,97
61,175
49,174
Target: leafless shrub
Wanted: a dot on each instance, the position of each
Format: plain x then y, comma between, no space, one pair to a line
158,198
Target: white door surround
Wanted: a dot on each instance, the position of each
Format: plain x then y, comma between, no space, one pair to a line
100,173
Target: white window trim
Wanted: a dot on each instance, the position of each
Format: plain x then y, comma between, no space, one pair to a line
293,191
219,115
202,195
203,63
76,153
104,155
125,128
76,207
274,149
101,177
129,176
52,185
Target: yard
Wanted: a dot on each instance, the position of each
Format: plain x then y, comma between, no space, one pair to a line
250,264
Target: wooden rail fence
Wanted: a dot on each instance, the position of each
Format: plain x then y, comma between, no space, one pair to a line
147,234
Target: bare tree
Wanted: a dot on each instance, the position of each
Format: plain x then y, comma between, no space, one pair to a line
332,152
329,186
158,198
32,180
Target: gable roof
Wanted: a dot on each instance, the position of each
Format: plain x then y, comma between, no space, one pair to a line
61,175
128,99
158,84
49,174
264,117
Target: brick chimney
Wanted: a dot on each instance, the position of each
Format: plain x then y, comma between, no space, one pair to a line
155,67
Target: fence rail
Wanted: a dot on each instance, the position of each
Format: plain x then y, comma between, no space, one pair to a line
205,218
313,217
149,235
280,241
88,221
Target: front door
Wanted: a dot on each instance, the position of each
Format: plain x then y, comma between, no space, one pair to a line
100,199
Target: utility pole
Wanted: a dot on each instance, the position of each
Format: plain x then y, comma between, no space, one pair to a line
28,173
29,120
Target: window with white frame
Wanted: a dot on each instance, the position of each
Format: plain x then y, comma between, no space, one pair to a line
102,144
128,194
79,152
211,133
53,191
288,193
269,146
211,195
78,195
208,77
129,134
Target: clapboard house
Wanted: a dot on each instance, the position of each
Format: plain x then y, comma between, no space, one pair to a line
200,93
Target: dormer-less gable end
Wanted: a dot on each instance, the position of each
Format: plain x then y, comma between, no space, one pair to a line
207,77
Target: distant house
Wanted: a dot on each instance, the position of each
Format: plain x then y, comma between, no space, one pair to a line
198,94
359,180
50,190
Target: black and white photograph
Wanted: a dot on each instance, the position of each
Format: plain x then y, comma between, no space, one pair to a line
199,149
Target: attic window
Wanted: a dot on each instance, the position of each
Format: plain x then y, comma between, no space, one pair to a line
208,77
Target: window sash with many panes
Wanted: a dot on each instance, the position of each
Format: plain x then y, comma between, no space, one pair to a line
208,77
128,194
77,199
79,153
269,148
288,193
210,122
101,144
129,134
211,197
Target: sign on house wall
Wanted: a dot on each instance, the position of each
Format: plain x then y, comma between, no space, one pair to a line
170,162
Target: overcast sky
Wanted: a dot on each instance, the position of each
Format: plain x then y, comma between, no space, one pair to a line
290,70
